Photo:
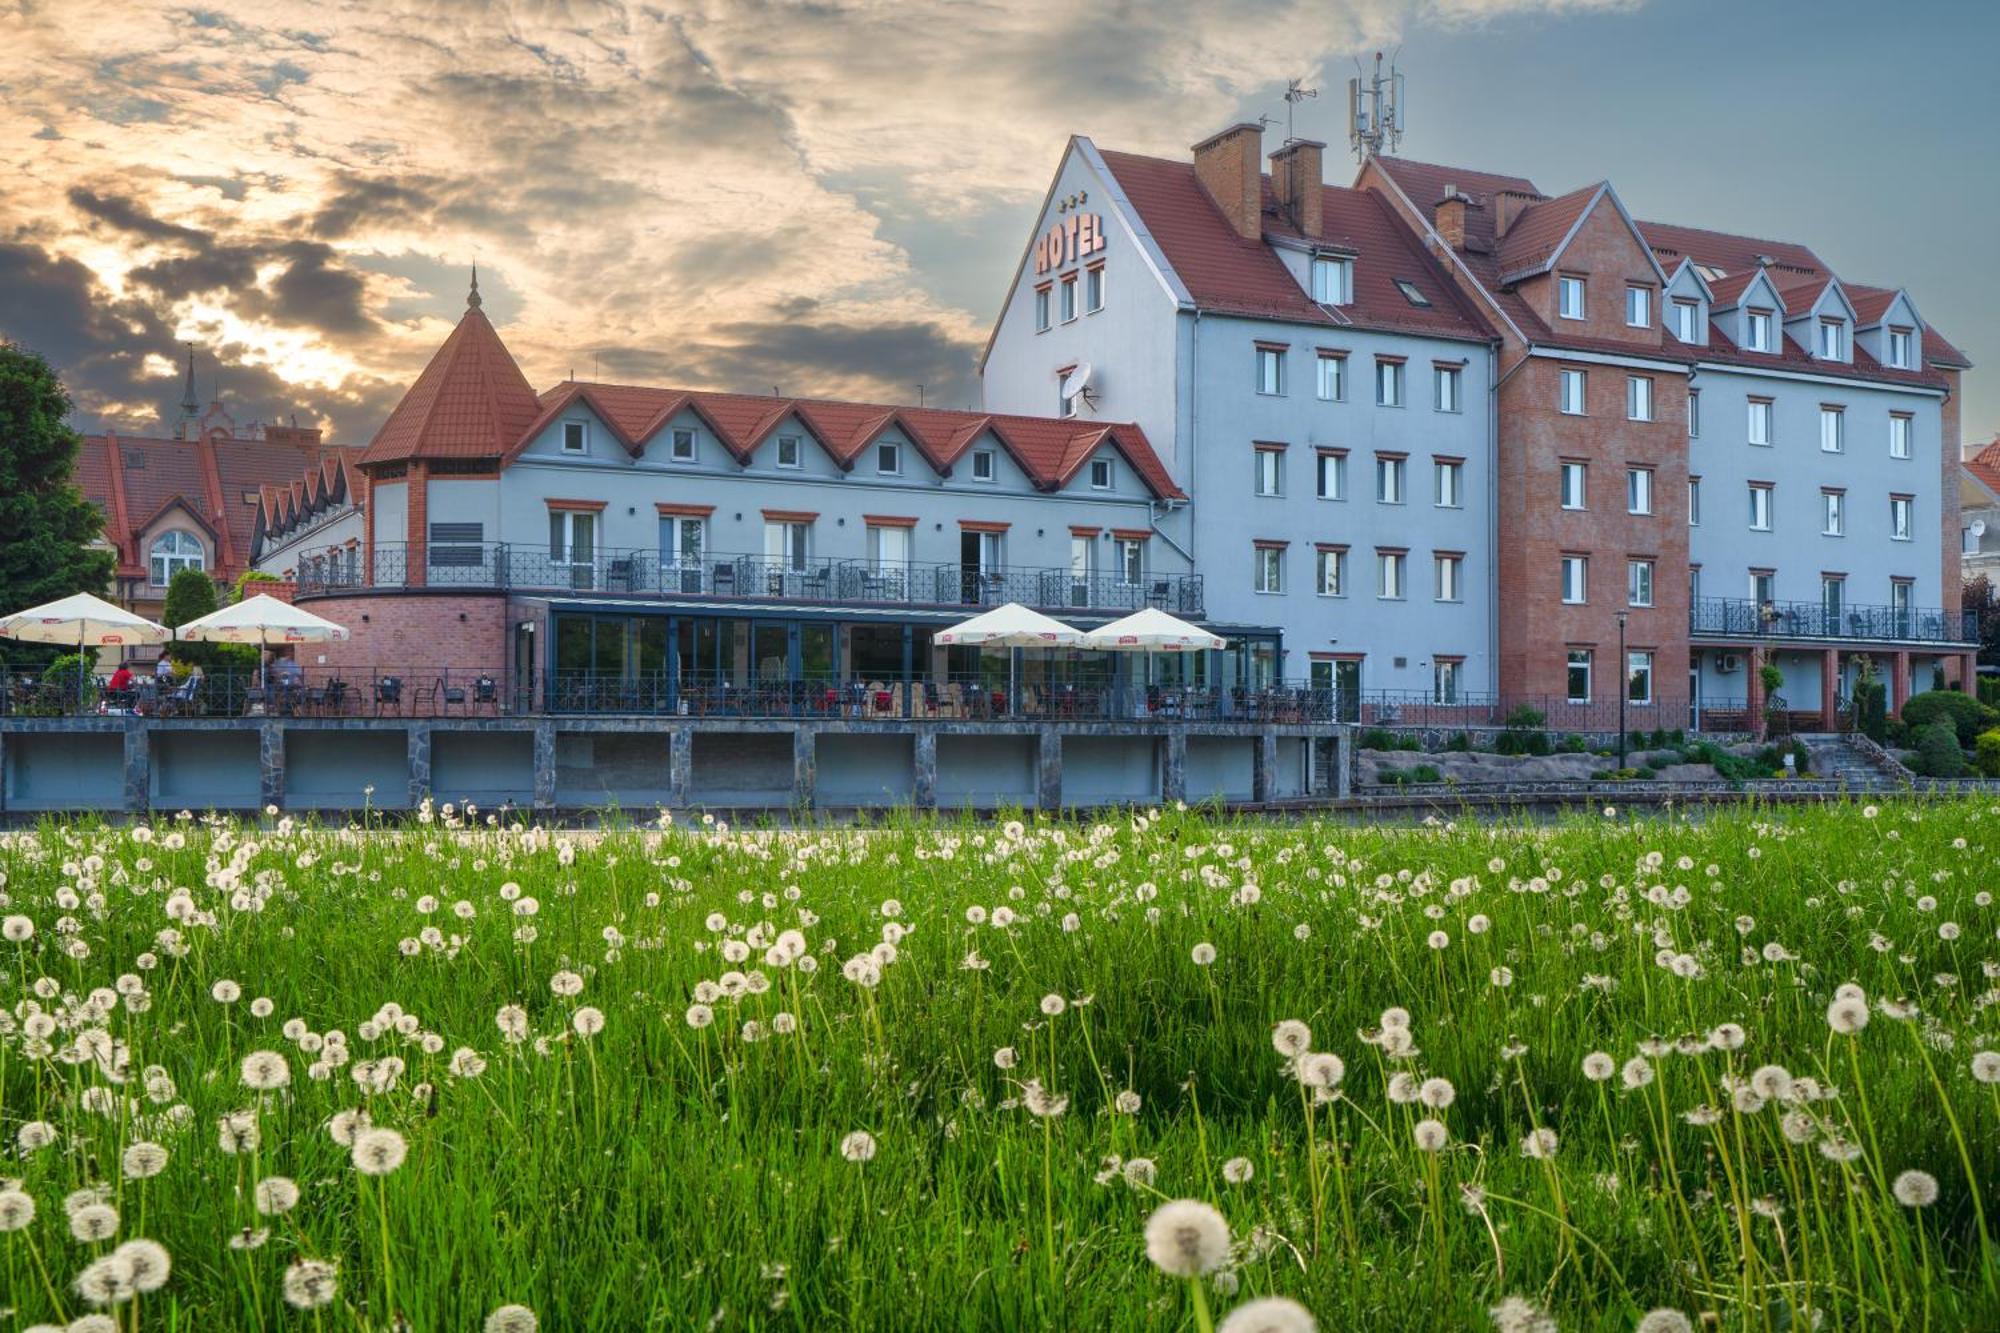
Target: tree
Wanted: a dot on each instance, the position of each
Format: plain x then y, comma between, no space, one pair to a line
46,525
1982,598
191,595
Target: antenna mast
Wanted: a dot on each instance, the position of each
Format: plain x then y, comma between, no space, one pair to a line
1294,94
1375,110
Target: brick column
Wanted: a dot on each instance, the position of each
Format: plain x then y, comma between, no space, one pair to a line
805,765
138,765
271,764
923,789
545,765
1829,688
680,764
1899,683
417,531
1968,673
420,762
1753,692
1173,766
1048,768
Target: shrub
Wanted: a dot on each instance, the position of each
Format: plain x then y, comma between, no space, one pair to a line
1986,752
1967,716
1460,743
62,672
1525,717
1938,755
1426,773
1572,745
1408,743
1871,708
1989,691
1377,739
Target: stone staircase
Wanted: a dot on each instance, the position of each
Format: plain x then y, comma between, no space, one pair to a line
1853,762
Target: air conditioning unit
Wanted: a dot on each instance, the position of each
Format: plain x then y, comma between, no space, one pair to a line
1728,662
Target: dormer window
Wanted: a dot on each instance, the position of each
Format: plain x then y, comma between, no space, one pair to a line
1639,306
982,465
888,459
1332,279
1100,474
1901,344
1757,331
683,448
1687,320
1569,298
790,454
1831,345
573,437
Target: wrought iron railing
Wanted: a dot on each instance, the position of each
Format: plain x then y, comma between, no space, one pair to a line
1742,618
538,568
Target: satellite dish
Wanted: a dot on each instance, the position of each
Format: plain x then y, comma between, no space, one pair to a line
1979,527
1076,381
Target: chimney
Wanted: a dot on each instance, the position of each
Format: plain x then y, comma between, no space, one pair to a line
1450,217
1296,179
1508,205
1230,166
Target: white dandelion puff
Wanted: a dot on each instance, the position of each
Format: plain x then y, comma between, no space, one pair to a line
858,1146
512,1319
310,1284
1238,1170
1915,1189
1431,1135
378,1151
1270,1314
1187,1238
1291,1038
275,1195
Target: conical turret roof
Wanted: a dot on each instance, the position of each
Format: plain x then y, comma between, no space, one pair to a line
471,401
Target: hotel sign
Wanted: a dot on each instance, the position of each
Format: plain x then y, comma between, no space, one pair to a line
1076,237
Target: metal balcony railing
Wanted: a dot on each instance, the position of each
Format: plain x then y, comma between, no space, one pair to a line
500,565
1813,620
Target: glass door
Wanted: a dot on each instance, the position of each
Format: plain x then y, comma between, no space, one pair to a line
572,546
1347,689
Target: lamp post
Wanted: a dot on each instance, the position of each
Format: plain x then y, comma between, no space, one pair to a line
1624,689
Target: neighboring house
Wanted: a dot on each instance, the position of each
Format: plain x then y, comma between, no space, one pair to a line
313,526
1445,432
1979,511
192,499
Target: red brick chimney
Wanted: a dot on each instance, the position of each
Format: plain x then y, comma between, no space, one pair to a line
1449,215
1230,166
1508,205
1296,179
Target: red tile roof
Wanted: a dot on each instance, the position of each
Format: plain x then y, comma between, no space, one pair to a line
1531,242
1227,274
1985,465
470,402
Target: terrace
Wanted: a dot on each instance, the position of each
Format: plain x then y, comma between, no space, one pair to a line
1742,618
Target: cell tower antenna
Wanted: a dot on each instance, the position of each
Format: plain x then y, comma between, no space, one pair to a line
1375,109
1294,94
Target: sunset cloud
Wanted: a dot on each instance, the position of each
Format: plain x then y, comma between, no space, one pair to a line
724,195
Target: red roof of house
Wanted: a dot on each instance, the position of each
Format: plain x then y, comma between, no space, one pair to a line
1227,274
1985,465
1531,242
470,402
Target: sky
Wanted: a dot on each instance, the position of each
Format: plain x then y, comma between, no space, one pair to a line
829,197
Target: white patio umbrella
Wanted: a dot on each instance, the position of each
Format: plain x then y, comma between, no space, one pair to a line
1152,631
83,620
1010,626
262,620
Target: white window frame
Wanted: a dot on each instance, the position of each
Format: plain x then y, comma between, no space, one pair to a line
1638,306
1448,480
1638,583
892,451
1093,289
1837,331
1639,667
1762,421
788,543
1757,326
1638,398
1130,553
1832,430
1330,378
1833,512
1694,414
1391,481
1066,306
187,553
1901,343
1330,572
1391,575
1583,659
797,445
1389,383
1339,291
1694,502
1575,580
1103,475
684,446
1762,503
580,432
882,538
1447,388
1902,518
985,468
1902,425
1330,479
1687,320
1270,372
1573,392
1268,570
1270,474
1569,471
1445,680
1042,307
1638,490
1448,577
1566,288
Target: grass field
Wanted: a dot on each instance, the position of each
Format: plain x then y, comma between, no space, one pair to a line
1603,1074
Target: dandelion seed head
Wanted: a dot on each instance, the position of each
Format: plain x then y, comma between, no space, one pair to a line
1186,1238
1238,1171
512,1319
310,1284
858,1146
379,1150
1663,1320
1268,1314
1431,1135
1915,1189
1291,1038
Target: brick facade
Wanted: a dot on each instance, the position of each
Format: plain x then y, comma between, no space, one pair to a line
414,635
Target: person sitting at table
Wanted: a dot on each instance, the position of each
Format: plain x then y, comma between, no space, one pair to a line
288,671
163,670
121,680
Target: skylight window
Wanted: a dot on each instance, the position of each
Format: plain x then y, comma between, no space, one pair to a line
1410,292
1709,273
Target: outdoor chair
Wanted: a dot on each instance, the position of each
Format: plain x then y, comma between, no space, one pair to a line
453,695
388,695
486,693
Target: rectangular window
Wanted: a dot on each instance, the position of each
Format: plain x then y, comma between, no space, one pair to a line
1446,570
1270,471
1100,474
1332,572
1569,298
889,547
1389,481
1694,502
1831,344
1270,569
1694,413
1758,331
1389,383
1574,494
1639,582
1579,675
1902,595
1332,476
1576,579
1760,506
1687,320
1900,517
573,437
681,542
1638,398
888,459
1332,279
1571,397
1639,307
790,451
1760,421
1332,377
1041,310
1832,426
1832,594
1449,478
1069,298
1694,583
1639,677
1270,370
1389,574
1900,346
1444,681
1093,289
1131,555
1445,383
786,544
1833,513
1638,490
982,465
1763,587
1899,434
683,446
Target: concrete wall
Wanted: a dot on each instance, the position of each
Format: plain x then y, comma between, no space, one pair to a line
1110,770
865,770
65,772
484,767
985,770
1220,768
199,770
752,769
626,769
335,769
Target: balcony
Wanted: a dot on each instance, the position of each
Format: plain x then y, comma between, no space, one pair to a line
1728,617
500,566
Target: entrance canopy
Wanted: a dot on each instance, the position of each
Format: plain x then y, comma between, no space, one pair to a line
1153,631
1010,626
